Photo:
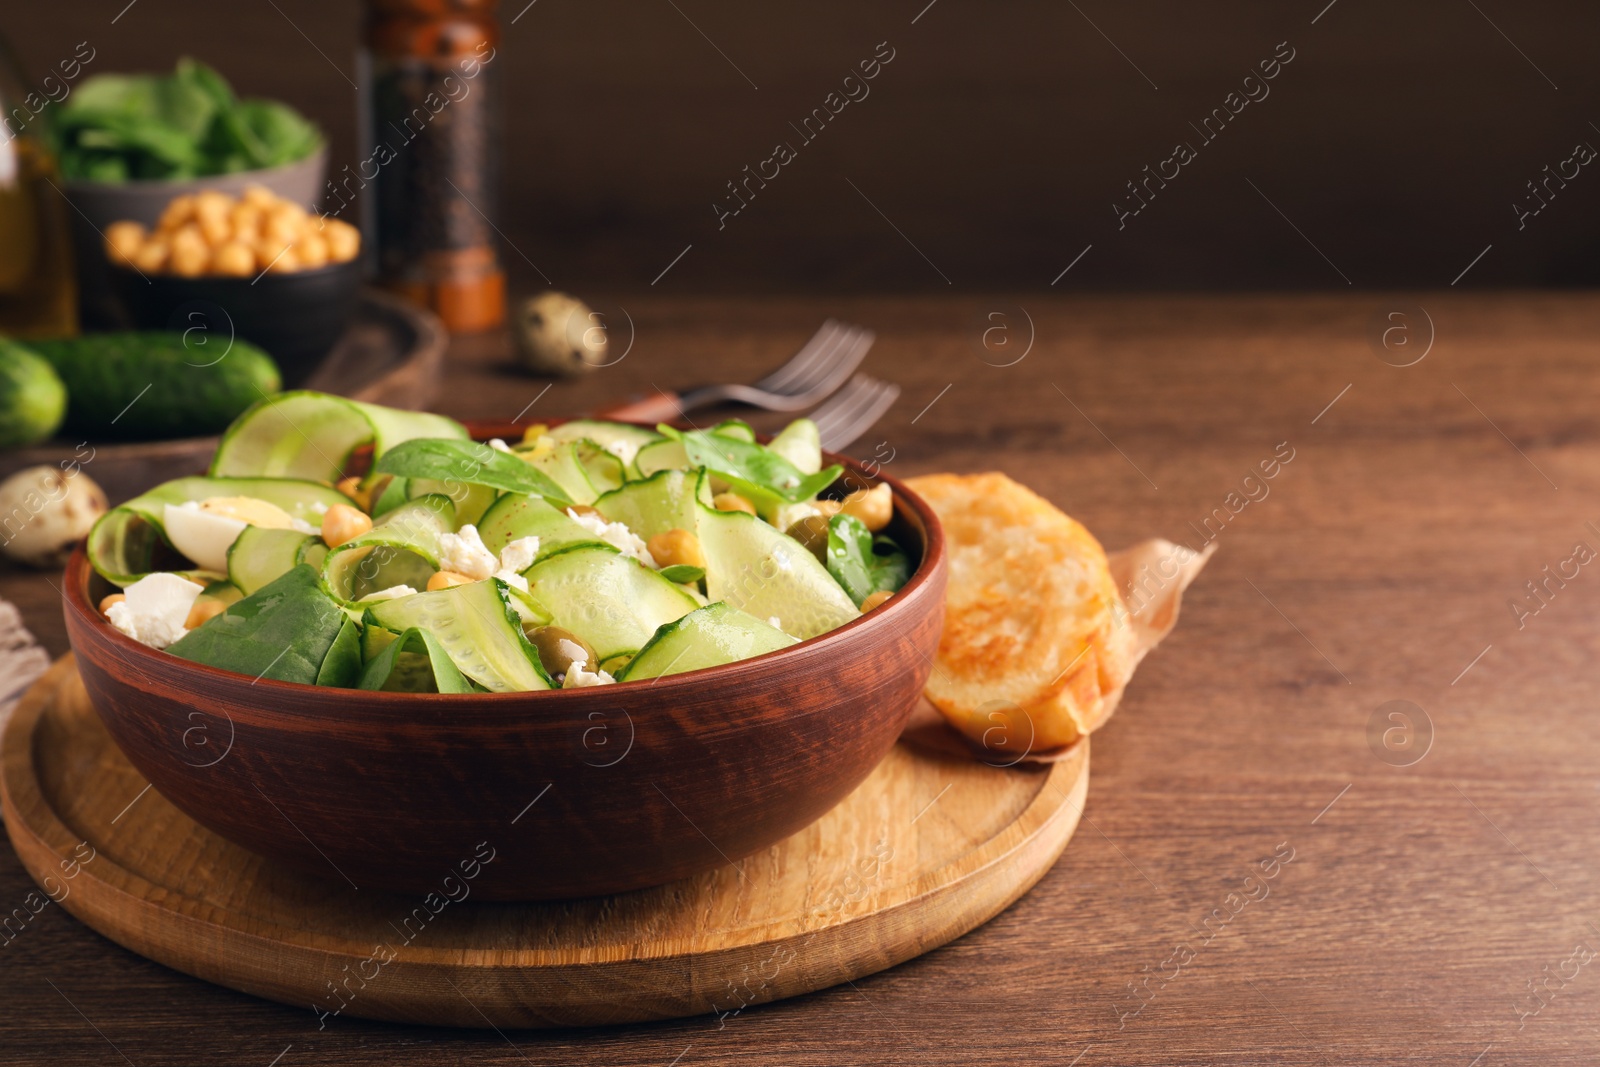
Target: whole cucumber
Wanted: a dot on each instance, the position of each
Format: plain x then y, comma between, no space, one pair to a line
32,398
151,385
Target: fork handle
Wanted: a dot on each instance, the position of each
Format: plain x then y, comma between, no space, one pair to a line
660,406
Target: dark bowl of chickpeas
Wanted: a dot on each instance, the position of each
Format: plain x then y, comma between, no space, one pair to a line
256,267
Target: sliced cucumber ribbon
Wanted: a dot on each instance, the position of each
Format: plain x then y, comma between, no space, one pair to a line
402,548
124,544
308,435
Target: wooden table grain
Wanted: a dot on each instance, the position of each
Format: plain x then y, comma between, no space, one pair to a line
1440,903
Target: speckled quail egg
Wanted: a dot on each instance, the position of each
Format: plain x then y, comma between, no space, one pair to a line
559,334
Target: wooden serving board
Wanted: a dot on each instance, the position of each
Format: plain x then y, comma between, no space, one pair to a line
922,852
390,354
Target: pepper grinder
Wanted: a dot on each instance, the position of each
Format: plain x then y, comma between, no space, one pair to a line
430,110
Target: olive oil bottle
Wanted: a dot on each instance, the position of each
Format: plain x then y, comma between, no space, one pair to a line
38,293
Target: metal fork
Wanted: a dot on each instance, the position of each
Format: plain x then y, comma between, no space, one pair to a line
851,411
820,367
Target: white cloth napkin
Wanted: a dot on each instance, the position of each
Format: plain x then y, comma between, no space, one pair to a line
22,660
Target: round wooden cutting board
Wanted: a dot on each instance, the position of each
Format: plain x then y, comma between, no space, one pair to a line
923,851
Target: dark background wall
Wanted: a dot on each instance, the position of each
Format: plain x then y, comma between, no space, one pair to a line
991,149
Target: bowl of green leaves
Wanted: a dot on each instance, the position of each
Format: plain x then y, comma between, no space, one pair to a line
129,143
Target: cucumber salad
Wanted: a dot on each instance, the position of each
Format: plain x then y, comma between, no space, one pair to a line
344,544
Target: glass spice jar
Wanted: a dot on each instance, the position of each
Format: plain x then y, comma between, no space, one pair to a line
38,294
430,126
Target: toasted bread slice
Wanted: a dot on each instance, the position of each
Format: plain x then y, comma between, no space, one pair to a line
1035,647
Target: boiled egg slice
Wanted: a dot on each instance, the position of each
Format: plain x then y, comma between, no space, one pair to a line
204,530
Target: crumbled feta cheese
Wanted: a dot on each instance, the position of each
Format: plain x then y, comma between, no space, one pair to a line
391,593
623,450
318,508
519,555
578,678
465,554
499,445
155,610
302,526
512,578
615,534
515,558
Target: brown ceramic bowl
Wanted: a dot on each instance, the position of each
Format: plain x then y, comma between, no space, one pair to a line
577,792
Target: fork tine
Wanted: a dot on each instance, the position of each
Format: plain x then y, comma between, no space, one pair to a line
855,417
822,365
817,370
853,410
842,363
826,336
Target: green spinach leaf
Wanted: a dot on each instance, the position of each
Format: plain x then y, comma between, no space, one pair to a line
120,127
753,470
683,572
449,460
414,662
341,667
284,631
862,564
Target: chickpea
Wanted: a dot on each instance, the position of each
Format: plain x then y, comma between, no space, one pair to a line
188,261
676,548
216,229
874,507
560,649
344,240
285,223
830,508
123,240
812,532
584,509
211,210
190,253
105,604
732,502
447,579
351,487
313,251
212,203
875,600
276,256
246,222
259,197
178,212
234,259
343,522
205,609
151,257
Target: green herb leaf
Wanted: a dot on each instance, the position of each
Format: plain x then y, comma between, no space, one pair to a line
754,471
682,573
341,667
414,662
283,631
117,127
447,460
862,564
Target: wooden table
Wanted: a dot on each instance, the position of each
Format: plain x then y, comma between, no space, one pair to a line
1423,900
